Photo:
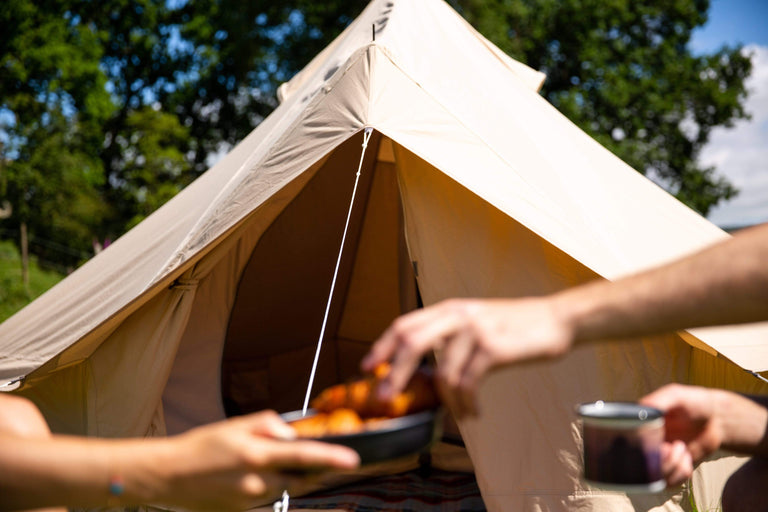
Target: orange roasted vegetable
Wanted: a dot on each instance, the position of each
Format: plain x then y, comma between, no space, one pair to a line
337,423
354,407
343,421
311,426
361,396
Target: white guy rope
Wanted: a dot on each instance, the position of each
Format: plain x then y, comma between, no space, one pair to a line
366,138
281,505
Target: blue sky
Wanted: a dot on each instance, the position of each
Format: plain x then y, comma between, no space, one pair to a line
732,22
741,153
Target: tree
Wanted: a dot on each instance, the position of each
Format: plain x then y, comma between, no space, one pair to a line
134,97
622,70
55,192
52,103
152,167
122,102
240,52
145,151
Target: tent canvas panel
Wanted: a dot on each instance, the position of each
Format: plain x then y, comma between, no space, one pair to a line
531,407
461,245
478,187
331,113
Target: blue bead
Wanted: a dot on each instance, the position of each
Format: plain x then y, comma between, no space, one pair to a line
116,488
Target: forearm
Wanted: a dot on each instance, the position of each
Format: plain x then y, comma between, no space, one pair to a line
724,284
743,421
69,471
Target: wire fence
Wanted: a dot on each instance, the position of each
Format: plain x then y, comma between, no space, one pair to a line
51,247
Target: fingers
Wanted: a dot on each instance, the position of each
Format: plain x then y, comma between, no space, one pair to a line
309,457
696,401
474,372
666,397
676,462
462,365
452,362
445,325
301,455
254,485
267,423
407,341
381,351
396,335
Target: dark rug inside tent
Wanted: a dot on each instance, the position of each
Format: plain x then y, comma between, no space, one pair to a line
420,490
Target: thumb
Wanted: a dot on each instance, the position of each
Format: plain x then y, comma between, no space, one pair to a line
269,424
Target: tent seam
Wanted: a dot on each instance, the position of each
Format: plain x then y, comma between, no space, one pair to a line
479,138
318,96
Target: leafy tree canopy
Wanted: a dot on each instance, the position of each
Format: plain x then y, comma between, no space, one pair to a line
53,104
109,108
622,70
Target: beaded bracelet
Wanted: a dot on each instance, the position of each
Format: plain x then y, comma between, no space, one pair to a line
116,490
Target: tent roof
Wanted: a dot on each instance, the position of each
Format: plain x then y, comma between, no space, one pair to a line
434,85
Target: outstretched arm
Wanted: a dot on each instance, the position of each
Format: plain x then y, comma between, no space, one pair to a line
224,466
723,284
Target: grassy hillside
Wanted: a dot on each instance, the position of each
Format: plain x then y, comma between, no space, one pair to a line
13,296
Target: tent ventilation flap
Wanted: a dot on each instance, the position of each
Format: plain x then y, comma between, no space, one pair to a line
12,384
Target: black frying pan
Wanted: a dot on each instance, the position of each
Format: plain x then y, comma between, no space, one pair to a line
391,439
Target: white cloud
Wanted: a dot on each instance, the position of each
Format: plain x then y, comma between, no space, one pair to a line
741,153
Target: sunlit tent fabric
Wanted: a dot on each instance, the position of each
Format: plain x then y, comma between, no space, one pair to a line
472,185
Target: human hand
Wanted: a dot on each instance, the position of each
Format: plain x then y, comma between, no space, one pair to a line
693,428
231,465
474,336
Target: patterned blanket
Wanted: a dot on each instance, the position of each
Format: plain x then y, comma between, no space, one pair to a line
421,490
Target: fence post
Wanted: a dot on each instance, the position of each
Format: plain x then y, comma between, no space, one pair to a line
24,257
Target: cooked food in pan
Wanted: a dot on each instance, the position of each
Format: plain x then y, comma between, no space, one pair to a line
355,406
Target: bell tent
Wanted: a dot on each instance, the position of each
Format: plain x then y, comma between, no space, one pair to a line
469,184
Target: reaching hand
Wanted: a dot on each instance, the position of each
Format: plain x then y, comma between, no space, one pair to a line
474,336
693,427
235,463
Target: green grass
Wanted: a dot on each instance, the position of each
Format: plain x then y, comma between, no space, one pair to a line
692,501
13,295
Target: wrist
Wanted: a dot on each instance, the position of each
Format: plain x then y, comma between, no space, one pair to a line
570,313
601,310
742,422
143,472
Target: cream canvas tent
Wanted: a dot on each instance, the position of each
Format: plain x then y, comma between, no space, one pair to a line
471,185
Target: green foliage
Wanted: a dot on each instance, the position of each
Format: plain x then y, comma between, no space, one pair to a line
145,91
622,71
240,52
153,166
109,108
13,296
52,187
54,99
